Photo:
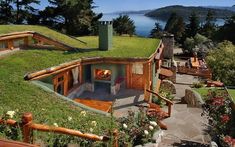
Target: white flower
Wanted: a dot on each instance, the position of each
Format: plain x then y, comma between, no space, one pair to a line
83,113
153,123
94,123
146,132
124,126
10,113
55,124
91,130
150,127
70,118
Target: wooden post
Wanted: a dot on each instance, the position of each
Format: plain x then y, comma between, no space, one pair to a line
10,44
115,134
169,109
128,75
26,41
80,74
27,119
147,81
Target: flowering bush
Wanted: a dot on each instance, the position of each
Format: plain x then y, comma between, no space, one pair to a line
136,129
220,116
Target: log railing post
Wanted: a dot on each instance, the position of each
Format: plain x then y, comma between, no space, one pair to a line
27,119
115,137
169,109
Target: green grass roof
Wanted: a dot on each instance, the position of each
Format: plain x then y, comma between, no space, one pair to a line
19,95
125,47
47,108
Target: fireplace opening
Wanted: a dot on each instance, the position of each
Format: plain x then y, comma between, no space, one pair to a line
101,74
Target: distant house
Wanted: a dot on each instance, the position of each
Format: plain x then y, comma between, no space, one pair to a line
108,62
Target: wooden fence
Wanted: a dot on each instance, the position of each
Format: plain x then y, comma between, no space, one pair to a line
205,73
27,126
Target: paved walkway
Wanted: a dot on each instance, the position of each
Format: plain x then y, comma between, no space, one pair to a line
124,101
185,123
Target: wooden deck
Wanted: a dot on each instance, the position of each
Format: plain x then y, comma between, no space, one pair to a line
97,104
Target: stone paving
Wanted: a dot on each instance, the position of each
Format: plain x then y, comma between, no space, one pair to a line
124,101
186,123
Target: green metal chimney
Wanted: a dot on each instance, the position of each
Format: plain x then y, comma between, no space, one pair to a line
105,35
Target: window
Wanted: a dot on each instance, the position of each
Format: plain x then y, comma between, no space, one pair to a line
137,68
3,45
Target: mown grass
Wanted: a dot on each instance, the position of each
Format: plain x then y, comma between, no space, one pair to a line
22,96
125,47
232,93
204,91
122,46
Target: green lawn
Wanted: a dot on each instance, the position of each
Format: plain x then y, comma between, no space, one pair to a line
122,46
19,95
232,93
203,91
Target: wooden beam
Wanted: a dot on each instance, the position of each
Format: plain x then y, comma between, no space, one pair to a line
15,37
48,40
147,81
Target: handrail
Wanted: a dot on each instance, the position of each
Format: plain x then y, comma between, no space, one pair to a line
161,97
169,103
28,126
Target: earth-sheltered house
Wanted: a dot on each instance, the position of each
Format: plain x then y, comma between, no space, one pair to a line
107,63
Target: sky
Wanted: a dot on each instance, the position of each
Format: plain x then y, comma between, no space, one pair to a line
107,6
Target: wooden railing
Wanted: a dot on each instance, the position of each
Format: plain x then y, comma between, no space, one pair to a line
28,126
168,102
206,73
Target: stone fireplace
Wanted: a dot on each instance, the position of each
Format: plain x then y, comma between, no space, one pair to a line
103,74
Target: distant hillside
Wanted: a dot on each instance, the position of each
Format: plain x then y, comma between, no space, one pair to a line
132,12
223,8
165,12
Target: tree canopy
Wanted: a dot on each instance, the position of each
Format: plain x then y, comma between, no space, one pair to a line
124,25
221,62
175,25
193,27
209,27
74,17
227,31
157,31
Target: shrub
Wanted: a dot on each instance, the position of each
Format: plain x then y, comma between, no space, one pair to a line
136,129
220,116
197,85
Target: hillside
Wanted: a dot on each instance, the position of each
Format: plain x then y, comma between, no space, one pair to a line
165,12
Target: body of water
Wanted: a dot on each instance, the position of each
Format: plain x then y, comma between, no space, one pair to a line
145,24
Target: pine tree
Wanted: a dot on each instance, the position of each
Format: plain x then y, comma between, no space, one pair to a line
157,31
6,12
193,27
124,25
171,22
209,27
74,17
175,25
24,9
